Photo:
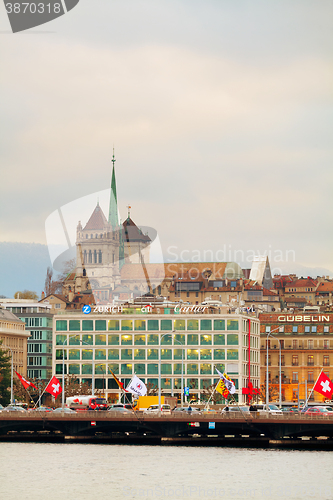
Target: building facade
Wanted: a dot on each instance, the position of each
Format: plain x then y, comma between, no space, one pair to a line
38,327
306,341
14,338
130,341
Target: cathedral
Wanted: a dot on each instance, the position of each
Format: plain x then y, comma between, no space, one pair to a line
103,247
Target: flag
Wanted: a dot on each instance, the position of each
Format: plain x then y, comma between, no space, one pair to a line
54,387
230,386
136,386
324,386
221,388
120,384
26,383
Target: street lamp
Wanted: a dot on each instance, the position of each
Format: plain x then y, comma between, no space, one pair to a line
159,369
63,370
269,334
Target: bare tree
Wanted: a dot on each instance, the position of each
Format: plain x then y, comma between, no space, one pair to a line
26,294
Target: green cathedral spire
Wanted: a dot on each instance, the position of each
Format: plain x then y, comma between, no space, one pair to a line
113,208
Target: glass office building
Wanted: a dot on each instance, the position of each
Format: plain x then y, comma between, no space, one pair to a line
187,346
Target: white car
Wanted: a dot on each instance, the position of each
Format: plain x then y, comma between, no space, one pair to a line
273,409
155,409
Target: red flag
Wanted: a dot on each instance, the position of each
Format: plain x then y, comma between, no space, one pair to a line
26,383
324,386
54,387
120,384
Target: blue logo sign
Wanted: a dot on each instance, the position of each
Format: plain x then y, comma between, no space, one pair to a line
186,391
211,425
86,309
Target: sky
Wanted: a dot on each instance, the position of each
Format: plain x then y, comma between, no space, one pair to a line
220,114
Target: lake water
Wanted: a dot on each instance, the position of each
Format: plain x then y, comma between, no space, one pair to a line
64,471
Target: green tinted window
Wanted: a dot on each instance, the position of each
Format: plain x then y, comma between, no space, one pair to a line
100,353
205,383
153,324
87,354
205,324
192,369
61,325
86,369
126,369
219,339
192,354
152,353
232,324
179,337
152,369
205,354
74,340
113,339
139,324
139,339
100,369
177,369
219,354
153,382
74,354
166,324
74,325
139,354
178,353
113,324
193,324
100,339
152,339
139,369
60,339
219,324
232,339
113,354
166,369
87,339
179,324
177,383
126,353
166,383
192,339
232,354
100,325
166,354
59,354
126,340
205,339
192,383
206,369
74,370
166,340
87,325
127,324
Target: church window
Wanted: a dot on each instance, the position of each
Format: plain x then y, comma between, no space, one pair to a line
85,256
100,256
90,257
113,258
95,257
86,236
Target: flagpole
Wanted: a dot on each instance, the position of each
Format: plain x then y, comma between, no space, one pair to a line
314,385
40,397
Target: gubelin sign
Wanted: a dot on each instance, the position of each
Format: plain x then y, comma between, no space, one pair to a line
304,318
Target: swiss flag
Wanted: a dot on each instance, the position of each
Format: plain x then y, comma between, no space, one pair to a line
54,387
26,383
324,386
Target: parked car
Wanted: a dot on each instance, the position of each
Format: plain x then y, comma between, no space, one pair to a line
187,409
14,408
236,409
43,409
316,409
327,408
120,405
63,410
155,409
270,408
120,410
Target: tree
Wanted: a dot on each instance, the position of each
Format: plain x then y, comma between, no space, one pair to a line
273,393
51,285
152,389
26,294
5,375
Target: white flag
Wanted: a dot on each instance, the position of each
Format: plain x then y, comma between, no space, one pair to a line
227,382
136,386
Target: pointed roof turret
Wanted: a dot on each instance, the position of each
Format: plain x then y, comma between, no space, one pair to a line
97,219
113,208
